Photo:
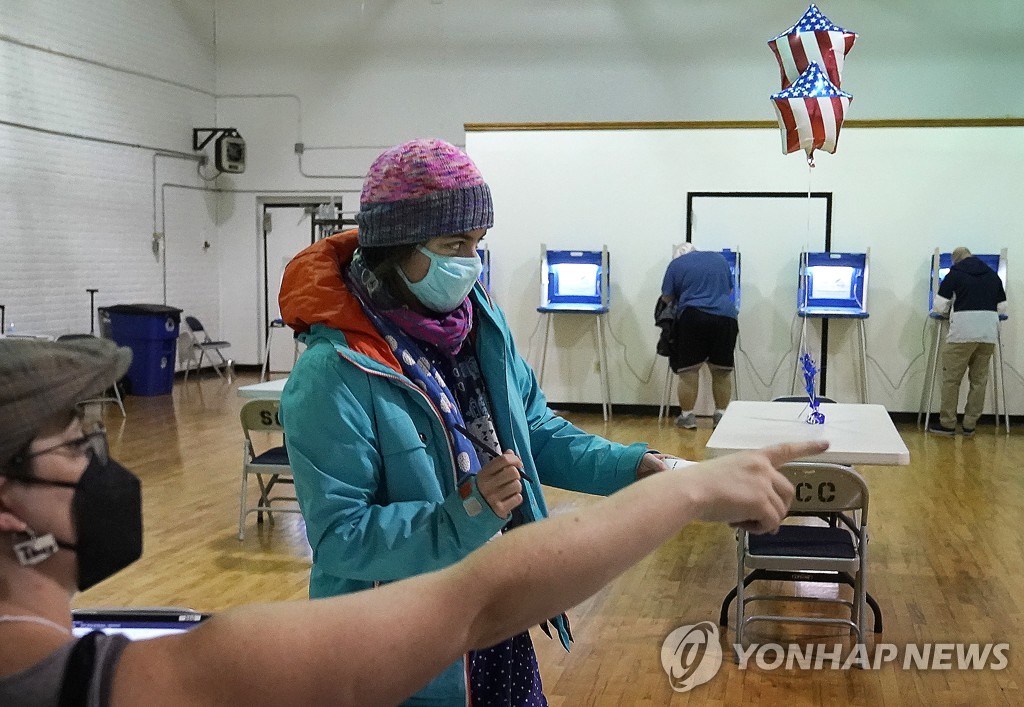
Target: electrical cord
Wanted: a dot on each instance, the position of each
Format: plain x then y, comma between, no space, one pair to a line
625,358
529,341
906,371
767,384
1015,371
792,347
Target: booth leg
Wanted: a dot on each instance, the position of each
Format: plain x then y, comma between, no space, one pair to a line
1002,382
266,355
863,362
924,387
937,347
666,394
544,348
735,373
606,394
796,363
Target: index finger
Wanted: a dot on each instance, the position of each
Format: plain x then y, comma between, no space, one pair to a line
779,454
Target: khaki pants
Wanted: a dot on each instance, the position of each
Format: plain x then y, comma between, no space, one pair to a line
974,358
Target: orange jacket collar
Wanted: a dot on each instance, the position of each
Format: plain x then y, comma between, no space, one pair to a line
313,291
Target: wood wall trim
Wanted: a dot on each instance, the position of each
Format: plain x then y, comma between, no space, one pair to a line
744,124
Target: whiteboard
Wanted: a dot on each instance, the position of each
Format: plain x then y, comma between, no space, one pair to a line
902,191
769,233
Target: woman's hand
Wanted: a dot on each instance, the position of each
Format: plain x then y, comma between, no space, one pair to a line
650,464
499,483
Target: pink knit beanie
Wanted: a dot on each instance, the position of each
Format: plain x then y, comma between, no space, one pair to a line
419,190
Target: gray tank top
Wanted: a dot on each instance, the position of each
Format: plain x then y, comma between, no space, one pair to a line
40,685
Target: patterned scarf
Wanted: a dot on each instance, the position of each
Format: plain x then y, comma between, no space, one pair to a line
447,333
419,370
505,675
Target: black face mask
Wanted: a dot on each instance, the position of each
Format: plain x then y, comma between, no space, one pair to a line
107,510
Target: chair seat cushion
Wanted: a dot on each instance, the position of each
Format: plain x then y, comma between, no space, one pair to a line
276,455
804,541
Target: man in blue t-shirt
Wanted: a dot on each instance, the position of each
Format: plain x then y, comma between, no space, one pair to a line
700,285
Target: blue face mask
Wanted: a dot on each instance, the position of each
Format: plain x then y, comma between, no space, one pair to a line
447,282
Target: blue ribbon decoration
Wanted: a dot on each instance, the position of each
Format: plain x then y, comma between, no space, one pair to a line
816,417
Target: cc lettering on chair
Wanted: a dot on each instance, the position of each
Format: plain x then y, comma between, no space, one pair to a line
826,492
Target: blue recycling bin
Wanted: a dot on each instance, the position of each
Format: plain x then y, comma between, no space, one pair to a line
151,332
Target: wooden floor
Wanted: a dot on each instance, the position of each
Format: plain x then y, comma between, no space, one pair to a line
947,563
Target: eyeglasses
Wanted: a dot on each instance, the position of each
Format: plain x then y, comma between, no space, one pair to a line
93,439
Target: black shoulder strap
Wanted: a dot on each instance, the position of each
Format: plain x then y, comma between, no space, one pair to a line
74,691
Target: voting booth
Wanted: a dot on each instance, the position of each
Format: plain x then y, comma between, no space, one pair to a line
574,281
577,282
732,257
484,254
834,286
940,265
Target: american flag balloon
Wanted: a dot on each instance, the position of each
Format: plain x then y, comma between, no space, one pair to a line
810,113
814,39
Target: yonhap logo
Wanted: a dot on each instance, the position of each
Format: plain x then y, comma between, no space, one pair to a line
691,655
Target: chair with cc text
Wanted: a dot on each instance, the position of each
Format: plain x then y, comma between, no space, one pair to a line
270,467
835,553
200,342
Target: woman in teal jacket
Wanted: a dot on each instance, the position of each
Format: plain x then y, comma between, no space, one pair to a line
416,432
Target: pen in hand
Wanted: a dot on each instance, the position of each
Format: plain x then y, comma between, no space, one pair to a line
482,447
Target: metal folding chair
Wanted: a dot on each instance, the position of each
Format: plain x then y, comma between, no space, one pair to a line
201,343
270,466
835,553
116,397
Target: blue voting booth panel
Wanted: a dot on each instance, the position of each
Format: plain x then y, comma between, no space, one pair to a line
733,258
485,270
832,285
945,263
574,281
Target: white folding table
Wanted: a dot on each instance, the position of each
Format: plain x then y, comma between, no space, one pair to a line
857,433
270,390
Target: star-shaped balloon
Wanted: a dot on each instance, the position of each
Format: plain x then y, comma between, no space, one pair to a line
813,39
815,417
810,113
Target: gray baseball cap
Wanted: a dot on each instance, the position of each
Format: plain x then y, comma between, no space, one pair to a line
41,379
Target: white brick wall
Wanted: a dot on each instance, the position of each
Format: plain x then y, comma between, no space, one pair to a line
76,213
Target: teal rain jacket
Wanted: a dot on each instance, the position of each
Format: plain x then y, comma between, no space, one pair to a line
373,465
